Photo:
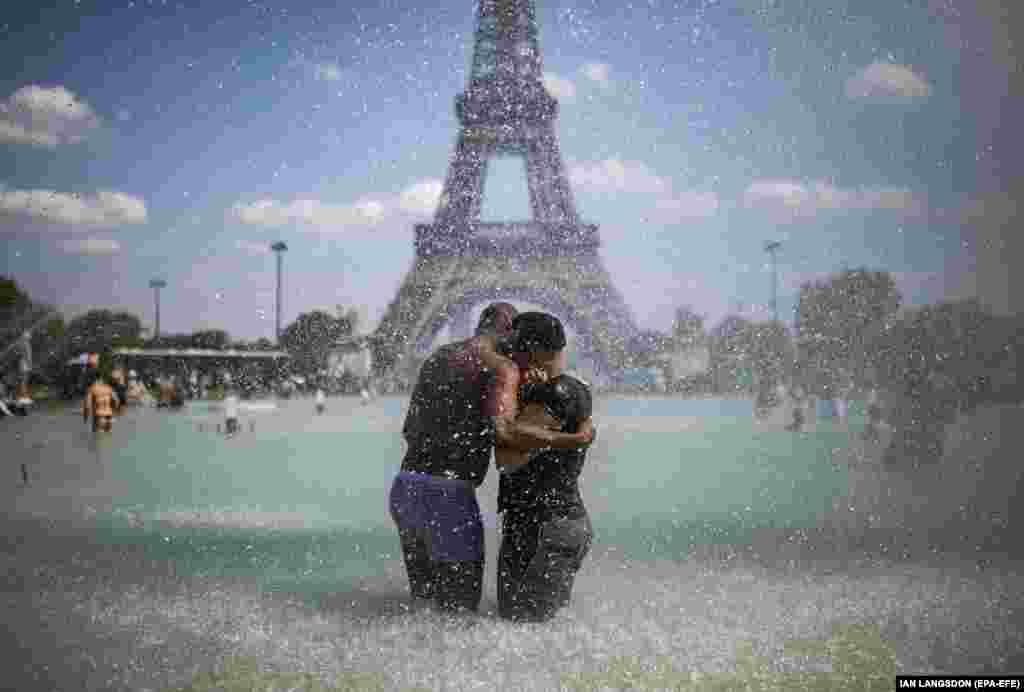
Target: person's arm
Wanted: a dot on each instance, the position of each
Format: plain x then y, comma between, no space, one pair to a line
510,459
503,406
87,405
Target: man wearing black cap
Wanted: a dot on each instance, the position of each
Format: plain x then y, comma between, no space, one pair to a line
546,532
465,403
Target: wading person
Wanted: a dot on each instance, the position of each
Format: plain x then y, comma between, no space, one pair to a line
231,412
546,532
120,387
168,392
873,414
463,404
100,402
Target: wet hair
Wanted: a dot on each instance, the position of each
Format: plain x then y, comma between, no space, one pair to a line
564,398
496,318
537,331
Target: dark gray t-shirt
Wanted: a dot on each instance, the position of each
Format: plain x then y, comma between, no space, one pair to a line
549,482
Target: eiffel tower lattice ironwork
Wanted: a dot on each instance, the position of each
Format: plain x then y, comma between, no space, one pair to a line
551,260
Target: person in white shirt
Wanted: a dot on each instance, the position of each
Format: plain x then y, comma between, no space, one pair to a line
874,416
321,400
231,412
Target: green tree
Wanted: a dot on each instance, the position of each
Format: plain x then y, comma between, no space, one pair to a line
730,342
48,347
838,320
350,316
310,338
649,348
687,328
102,330
770,350
216,339
18,314
17,311
746,354
938,360
12,298
172,341
958,343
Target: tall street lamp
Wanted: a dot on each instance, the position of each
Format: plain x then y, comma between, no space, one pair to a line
771,247
279,249
156,285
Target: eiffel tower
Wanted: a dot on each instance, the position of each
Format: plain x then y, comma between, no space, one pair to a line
551,260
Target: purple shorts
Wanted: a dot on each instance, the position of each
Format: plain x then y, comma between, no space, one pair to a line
443,510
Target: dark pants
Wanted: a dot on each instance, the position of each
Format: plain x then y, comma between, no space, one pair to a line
538,562
441,532
453,586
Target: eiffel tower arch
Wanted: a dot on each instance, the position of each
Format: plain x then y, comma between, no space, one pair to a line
551,259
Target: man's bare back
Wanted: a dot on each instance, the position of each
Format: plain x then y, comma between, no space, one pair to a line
99,402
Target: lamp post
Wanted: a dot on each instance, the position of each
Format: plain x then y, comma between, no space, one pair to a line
770,248
279,249
156,285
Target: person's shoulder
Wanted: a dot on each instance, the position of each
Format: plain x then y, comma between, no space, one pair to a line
573,394
573,382
456,349
438,355
493,359
573,375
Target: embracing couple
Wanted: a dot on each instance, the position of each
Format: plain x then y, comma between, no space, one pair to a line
502,389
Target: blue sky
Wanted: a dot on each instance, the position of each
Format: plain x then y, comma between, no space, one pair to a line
180,139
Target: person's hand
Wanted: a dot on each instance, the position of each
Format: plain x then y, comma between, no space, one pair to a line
536,375
588,431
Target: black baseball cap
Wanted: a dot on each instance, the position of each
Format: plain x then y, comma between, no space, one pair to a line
537,331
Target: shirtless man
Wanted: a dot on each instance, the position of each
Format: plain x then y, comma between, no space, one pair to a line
167,392
100,402
465,402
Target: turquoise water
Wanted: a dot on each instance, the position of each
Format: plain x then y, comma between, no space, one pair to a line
276,545
298,498
666,406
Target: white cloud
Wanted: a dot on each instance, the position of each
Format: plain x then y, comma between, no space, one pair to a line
91,246
561,88
801,200
615,175
887,80
253,248
104,209
45,116
596,72
421,198
322,70
417,201
785,192
690,204
327,71
309,212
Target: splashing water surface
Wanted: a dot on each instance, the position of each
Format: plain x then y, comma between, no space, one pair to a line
166,551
